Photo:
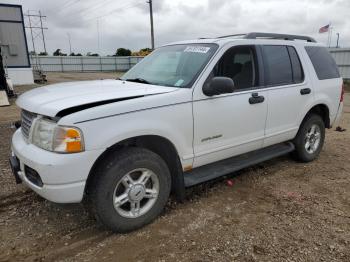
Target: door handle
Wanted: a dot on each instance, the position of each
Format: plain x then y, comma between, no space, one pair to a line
305,91
255,99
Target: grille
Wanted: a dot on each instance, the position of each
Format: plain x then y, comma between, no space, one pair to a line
26,122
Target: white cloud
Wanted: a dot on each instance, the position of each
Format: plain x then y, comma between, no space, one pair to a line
126,23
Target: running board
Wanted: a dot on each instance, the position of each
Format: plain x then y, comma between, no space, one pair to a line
229,165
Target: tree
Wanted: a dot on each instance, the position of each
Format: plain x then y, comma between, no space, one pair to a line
75,54
59,53
123,52
92,54
43,54
143,52
148,50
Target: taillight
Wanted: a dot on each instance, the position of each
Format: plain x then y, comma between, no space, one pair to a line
342,93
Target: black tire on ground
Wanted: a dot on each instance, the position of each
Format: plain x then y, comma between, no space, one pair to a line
110,172
301,152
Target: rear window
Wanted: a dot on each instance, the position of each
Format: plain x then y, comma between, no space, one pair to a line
323,62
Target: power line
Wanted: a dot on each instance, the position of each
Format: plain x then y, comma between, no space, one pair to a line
116,10
70,4
94,7
88,19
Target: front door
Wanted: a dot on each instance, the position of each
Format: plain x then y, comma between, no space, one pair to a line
230,124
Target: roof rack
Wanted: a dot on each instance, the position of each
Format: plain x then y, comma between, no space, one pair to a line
255,35
224,36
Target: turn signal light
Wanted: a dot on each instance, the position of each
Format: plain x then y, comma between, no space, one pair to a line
73,141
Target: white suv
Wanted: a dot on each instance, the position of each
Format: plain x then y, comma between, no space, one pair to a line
189,112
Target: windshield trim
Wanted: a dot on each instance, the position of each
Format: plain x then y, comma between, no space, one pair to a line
195,77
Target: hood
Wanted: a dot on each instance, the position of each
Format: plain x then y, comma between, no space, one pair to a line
52,99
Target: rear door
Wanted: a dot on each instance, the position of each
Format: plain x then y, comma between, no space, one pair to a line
230,124
326,78
290,92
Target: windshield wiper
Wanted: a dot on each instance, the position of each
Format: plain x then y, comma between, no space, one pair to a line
138,80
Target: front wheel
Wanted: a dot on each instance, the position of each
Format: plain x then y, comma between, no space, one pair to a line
310,138
130,189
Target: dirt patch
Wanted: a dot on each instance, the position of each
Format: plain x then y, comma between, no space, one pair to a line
280,210
347,85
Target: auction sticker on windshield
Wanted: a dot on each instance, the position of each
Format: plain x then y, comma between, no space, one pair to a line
197,49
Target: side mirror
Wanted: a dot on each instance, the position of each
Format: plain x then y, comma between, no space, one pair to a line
218,85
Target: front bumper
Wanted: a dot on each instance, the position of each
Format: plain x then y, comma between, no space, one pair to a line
63,175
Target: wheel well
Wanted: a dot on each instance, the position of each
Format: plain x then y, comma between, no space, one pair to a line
157,144
323,111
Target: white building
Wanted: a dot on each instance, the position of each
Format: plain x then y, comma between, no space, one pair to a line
14,46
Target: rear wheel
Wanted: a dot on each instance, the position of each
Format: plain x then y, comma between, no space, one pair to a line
130,190
310,138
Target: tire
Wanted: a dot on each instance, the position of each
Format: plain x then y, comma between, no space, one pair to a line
130,189
310,138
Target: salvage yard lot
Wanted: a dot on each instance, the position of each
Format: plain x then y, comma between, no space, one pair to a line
279,210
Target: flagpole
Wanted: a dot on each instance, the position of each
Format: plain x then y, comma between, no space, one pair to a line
329,35
330,38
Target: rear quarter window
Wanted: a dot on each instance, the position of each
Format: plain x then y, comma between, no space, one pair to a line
323,62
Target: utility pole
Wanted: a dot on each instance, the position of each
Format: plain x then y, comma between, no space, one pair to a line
70,44
42,30
36,28
337,40
98,36
31,31
151,18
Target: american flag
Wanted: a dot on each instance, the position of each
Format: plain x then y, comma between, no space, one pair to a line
324,29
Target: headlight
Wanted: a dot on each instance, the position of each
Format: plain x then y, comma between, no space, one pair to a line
49,136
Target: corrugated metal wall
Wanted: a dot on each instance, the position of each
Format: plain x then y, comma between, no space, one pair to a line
342,58
84,63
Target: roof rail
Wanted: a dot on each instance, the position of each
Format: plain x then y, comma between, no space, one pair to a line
224,36
255,35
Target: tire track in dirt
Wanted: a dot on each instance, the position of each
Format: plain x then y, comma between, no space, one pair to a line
19,198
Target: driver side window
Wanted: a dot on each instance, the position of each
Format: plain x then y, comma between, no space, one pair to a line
239,64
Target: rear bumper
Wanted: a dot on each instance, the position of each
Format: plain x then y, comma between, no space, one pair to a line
63,176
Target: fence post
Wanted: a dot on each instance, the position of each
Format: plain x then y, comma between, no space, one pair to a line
62,64
100,63
116,63
82,63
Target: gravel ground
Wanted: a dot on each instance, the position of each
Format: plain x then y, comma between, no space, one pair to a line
279,210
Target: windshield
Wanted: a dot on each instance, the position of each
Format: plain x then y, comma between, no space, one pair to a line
176,65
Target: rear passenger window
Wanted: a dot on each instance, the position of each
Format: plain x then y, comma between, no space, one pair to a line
298,73
323,62
278,68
